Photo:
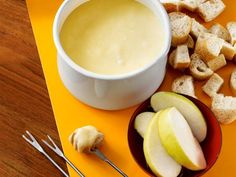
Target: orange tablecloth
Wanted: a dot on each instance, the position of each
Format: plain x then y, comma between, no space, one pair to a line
70,113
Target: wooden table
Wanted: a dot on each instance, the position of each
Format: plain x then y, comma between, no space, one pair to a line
24,100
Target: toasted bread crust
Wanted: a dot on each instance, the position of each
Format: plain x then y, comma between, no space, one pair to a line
220,31
198,68
210,9
184,85
197,28
213,85
179,58
231,27
233,82
180,27
224,108
172,58
190,5
190,43
208,46
217,63
228,50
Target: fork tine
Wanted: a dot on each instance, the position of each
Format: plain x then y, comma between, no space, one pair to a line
52,141
55,148
27,139
36,145
45,142
33,141
58,151
31,136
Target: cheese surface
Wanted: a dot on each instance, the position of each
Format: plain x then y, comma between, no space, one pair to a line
112,37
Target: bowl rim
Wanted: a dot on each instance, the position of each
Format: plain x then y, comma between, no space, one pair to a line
76,67
201,172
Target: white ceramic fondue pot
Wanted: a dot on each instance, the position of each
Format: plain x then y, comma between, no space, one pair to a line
111,92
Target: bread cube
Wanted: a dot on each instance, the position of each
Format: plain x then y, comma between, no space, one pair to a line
231,27
217,63
198,68
184,85
208,46
197,29
224,108
228,50
179,58
233,82
210,9
220,31
180,27
213,85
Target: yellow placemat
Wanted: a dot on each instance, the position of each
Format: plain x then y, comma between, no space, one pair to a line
70,113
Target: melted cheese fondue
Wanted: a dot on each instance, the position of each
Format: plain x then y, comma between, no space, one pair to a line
112,36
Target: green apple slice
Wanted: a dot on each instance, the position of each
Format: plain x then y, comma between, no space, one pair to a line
141,122
188,109
177,138
155,154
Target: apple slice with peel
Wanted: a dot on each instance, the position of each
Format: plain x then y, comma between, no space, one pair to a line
141,122
188,109
177,138
155,154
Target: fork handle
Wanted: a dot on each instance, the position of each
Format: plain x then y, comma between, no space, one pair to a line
115,167
100,155
72,166
55,164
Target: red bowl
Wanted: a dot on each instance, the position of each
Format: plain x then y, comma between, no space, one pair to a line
211,146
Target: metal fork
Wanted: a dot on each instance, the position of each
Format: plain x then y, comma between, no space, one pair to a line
101,156
57,150
37,146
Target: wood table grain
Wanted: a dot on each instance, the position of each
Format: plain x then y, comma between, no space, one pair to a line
24,100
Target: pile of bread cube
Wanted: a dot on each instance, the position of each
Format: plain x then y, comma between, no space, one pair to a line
211,49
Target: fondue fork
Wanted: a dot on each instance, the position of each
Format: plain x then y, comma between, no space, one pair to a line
57,150
31,140
101,156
